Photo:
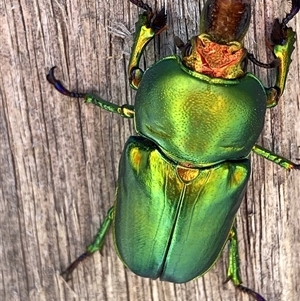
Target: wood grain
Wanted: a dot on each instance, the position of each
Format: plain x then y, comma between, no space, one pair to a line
59,157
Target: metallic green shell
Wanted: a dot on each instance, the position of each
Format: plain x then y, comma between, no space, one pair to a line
196,119
167,228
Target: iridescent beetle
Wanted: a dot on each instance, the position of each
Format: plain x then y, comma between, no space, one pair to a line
181,181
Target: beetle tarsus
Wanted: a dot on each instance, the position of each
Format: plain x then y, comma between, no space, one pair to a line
158,24
142,5
68,271
155,21
60,87
294,10
250,292
279,31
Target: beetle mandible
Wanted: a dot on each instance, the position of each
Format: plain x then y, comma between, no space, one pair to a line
189,164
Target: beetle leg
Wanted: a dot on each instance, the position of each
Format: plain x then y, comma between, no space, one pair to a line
281,161
147,26
96,245
283,38
233,266
124,110
252,293
283,54
294,10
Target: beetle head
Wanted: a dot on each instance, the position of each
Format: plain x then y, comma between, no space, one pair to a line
218,50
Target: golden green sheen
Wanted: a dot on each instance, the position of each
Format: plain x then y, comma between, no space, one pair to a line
167,228
196,119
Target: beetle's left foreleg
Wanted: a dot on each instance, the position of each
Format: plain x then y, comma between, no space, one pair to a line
96,245
233,266
147,26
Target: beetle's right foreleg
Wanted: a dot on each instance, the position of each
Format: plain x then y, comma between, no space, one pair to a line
283,38
96,245
283,54
124,110
147,26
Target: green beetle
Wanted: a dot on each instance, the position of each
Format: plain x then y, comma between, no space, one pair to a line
181,181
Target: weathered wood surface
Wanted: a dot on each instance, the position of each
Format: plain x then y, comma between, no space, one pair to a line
59,157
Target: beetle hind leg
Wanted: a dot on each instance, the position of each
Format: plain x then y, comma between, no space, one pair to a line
96,245
250,292
233,267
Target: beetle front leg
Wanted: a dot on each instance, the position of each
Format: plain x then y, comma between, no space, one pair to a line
233,266
281,161
147,26
96,245
283,54
284,39
124,110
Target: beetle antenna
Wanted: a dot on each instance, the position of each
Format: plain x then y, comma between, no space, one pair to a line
255,61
